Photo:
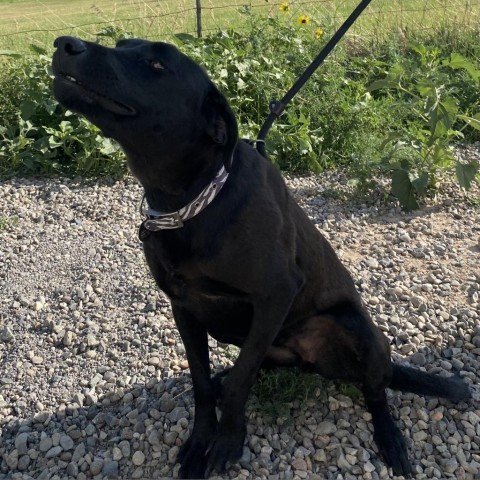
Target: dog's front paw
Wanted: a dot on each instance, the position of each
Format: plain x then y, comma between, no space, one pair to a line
391,445
192,455
227,446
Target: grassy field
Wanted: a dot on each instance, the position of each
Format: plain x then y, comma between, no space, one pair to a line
23,22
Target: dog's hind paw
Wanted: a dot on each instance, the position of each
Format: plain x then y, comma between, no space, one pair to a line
391,445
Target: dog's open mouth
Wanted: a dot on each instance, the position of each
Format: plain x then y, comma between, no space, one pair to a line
91,95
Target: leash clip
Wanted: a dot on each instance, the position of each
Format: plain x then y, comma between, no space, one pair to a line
276,107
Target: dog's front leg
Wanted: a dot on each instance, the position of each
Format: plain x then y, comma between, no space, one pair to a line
269,314
192,456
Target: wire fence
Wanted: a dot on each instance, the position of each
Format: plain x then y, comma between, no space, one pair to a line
39,23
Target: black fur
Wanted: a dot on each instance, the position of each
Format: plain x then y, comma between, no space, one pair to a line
251,269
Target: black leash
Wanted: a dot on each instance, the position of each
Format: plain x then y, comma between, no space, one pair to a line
277,107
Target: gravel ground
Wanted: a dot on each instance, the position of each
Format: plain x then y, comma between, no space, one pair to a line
94,381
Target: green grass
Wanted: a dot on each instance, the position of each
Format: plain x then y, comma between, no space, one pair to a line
23,22
6,221
275,390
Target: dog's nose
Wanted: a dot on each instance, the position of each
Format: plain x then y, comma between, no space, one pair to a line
70,45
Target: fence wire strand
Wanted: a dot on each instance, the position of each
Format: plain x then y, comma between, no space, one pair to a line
157,19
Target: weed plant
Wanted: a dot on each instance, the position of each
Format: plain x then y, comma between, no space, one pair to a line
38,136
366,110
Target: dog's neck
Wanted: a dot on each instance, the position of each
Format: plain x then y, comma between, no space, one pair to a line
173,188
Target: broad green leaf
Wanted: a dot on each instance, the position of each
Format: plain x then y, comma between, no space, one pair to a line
50,105
314,166
54,142
442,117
390,138
65,126
10,53
433,118
466,173
442,155
457,61
305,145
384,83
27,109
185,37
107,146
426,88
474,121
241,85
403,189
37,49
420,184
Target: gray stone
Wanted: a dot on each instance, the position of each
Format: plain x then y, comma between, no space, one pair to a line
68,338
169,438
418,358
176,414
125,448
66,442
117,454
450,465
53,452
45,444
172,455
96,466
72,469
137,473
363,455
110,469
78,453
299,464
21,443
45,475
41,417
12,460
154,437
23,462
371,262
79,398
167,403
343,463
6,334
138,458
325,428
420,436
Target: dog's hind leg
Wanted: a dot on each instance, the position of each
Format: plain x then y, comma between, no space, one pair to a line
343,343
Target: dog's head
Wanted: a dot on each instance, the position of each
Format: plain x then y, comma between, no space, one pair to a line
148,96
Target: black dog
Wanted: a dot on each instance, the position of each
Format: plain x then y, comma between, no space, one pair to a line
238,258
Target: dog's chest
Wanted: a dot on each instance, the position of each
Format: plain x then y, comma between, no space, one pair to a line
177,271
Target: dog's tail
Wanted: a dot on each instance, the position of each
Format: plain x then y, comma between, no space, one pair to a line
408,379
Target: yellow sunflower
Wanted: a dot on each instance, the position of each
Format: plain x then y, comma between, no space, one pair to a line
303,20
284,7
319,33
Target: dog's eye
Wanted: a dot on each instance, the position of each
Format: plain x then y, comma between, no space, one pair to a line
156,64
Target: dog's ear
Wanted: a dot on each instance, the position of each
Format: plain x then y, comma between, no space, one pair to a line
221,123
